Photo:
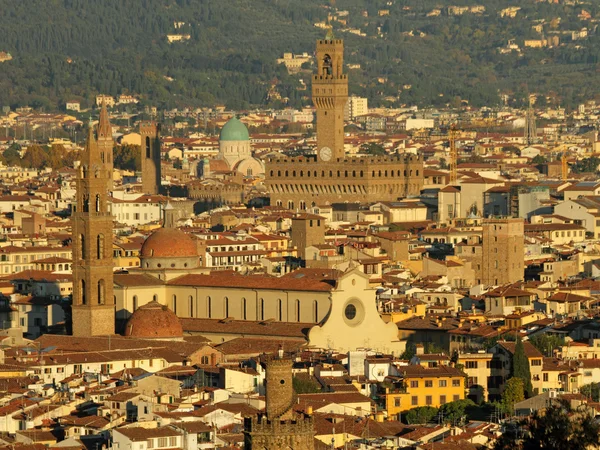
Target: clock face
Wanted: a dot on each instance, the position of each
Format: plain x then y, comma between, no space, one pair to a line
325,153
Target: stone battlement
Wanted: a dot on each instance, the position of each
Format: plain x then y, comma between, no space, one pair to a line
392,159
260,425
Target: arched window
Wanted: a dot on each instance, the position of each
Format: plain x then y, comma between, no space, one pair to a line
209,307
82,288
148,147
316,311
262,309
135,302
280,310
97,202
101,292
82,246
244,310
174,304
204,360
226,307
86,203
155,298
298,310
191,305
100,246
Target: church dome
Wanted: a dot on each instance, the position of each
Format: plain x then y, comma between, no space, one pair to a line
154,320
234,130
168,243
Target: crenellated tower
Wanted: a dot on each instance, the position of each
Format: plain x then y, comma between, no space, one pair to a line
150,134
93,310
281,427
330,95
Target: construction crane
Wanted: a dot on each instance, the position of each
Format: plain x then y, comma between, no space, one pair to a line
452,134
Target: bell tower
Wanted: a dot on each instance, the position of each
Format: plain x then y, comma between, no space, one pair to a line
330,94
93,310
150,133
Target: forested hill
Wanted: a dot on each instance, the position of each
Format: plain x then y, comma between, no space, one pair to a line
408,53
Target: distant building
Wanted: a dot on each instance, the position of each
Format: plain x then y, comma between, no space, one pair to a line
356,106
105,99
293,63
178,37
73,105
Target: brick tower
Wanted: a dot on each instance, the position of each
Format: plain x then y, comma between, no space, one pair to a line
502,251
150,133
281,427
93,302
330,94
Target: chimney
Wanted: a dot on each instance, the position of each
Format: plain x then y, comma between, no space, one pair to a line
419,349
379,416
309,410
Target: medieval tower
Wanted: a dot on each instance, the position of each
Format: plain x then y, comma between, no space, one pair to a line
280,427
150,134
330,94
93,310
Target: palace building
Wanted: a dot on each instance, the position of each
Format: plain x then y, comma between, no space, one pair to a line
330,176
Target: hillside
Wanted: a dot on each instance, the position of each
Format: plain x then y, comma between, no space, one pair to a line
409,53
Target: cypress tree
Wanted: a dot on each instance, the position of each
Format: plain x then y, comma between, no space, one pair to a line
520,367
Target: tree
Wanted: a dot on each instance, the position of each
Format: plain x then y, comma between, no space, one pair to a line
127,157
35,157
546,343
455,412
513,393
539,159
12,156
443,164
372,148
520,367
557,427
422,414
305,385
56,156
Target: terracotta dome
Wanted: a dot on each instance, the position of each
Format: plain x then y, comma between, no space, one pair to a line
167,243
154,320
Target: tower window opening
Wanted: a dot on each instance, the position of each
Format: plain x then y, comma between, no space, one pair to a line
148,148
100,246
82,246
82,289
97,202
101,292
327,65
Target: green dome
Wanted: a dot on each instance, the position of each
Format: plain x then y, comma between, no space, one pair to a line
234,130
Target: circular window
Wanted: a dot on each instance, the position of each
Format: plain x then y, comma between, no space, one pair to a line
353,312
159,265
350,311
281,381
172,264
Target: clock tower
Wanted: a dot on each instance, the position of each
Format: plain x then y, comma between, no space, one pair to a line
330,94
